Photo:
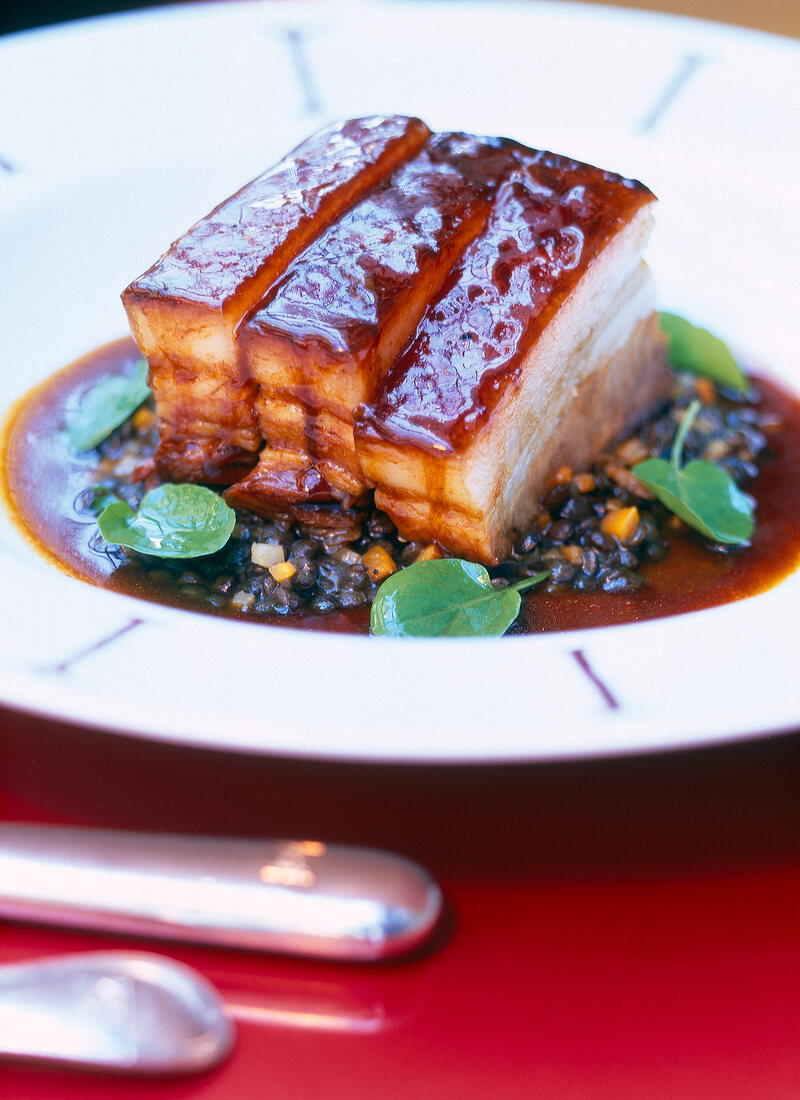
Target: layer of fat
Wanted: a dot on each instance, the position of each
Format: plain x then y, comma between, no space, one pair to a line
193,373
182,334
288,425
581,386
196,406
307,377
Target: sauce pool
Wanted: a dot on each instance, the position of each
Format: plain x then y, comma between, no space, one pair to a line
43,478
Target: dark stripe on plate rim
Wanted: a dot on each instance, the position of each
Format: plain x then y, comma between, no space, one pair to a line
687,67
87,651
609,698
296,43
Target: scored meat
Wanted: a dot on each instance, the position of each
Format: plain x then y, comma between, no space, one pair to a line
447,320
184,311
543,348
321,341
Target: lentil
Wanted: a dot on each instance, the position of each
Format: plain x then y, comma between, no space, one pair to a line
306,574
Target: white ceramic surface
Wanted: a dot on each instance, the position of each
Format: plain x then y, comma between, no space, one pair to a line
117,134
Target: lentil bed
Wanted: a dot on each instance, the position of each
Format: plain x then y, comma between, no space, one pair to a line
613,552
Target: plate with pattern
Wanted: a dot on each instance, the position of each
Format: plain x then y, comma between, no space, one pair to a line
118,133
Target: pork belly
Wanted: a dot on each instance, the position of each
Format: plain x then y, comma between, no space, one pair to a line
323,338
542,347
184,311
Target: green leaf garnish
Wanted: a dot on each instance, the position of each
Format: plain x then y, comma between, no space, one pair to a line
173,521
445,598
702,494
107,405
698,351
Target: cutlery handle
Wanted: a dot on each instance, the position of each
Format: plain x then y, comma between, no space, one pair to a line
298,897
121,1011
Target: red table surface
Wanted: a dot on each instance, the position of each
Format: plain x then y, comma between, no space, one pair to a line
616,928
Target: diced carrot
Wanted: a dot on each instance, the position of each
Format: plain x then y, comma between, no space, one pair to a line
631,451
379,563
282,571
563,475
585,483
431,552
704,388
143,419
620,523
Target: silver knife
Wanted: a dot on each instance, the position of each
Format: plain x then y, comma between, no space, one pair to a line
301,897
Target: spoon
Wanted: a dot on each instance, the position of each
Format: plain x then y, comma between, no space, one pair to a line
121,1011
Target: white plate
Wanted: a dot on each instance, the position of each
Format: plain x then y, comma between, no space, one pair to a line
118,133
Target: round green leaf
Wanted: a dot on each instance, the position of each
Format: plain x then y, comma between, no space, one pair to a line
704,496
445,598
711,494
107,405
698,351
173,521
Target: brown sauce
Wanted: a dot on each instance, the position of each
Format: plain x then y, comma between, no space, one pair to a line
43,478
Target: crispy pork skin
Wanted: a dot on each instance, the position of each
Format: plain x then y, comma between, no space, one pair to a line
184,311
443,319
542,347
323,338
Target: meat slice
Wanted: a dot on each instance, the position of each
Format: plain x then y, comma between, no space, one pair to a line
323,338
185,310
542,347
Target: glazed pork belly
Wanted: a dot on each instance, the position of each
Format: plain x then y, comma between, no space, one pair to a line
185,310
443,319
323,338
541,349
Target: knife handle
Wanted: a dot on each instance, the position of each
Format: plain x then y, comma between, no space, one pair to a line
299,897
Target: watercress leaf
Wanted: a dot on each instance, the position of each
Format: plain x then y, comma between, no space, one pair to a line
445,598
173,521
703,495
698,351
107,405
712,494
